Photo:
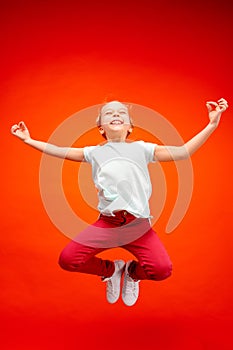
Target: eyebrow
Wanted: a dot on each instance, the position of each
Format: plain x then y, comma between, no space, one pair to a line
119,109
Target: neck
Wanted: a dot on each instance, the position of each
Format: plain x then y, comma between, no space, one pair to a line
116,140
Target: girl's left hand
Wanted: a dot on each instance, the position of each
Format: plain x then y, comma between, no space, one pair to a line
215,110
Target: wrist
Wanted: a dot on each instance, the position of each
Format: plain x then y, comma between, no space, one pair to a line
27,140
212,125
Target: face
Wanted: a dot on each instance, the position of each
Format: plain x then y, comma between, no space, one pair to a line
114,113
115,119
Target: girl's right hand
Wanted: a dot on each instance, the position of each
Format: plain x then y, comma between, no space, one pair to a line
21,131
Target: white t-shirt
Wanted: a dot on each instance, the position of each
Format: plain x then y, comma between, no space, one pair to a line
120,173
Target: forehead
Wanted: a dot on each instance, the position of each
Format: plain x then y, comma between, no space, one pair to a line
115,105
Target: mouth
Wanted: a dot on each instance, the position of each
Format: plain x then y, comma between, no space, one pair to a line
117,122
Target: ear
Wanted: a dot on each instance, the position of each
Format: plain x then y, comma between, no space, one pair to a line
101,130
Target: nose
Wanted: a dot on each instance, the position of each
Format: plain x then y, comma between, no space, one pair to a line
116,114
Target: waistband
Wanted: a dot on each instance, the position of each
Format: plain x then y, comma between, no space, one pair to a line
120,217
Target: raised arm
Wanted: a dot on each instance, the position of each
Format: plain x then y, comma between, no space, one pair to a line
21,131
172,153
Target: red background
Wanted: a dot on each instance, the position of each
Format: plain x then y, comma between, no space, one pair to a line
60,57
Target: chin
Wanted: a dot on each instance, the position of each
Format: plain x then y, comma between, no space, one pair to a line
122,130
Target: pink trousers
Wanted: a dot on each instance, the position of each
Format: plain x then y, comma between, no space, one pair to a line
126,231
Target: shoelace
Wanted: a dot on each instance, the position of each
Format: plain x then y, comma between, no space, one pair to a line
130,285
110,287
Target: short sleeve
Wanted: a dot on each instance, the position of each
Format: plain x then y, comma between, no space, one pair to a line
87,151
149,148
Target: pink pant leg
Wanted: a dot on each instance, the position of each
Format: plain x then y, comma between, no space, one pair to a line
79,254
153,260
77,257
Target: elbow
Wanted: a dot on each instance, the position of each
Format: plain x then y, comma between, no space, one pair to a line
184,153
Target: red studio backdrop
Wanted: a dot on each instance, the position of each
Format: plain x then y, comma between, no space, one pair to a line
60,57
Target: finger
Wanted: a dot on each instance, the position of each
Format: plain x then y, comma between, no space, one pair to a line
212,103
14,128
22,125
222,108
222,100
223,105
209,107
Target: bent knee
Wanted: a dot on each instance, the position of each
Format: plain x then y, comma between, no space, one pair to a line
165,272
64,261
161,272
68,262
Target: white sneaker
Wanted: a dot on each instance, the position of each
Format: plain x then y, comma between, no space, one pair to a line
130,290
114,282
